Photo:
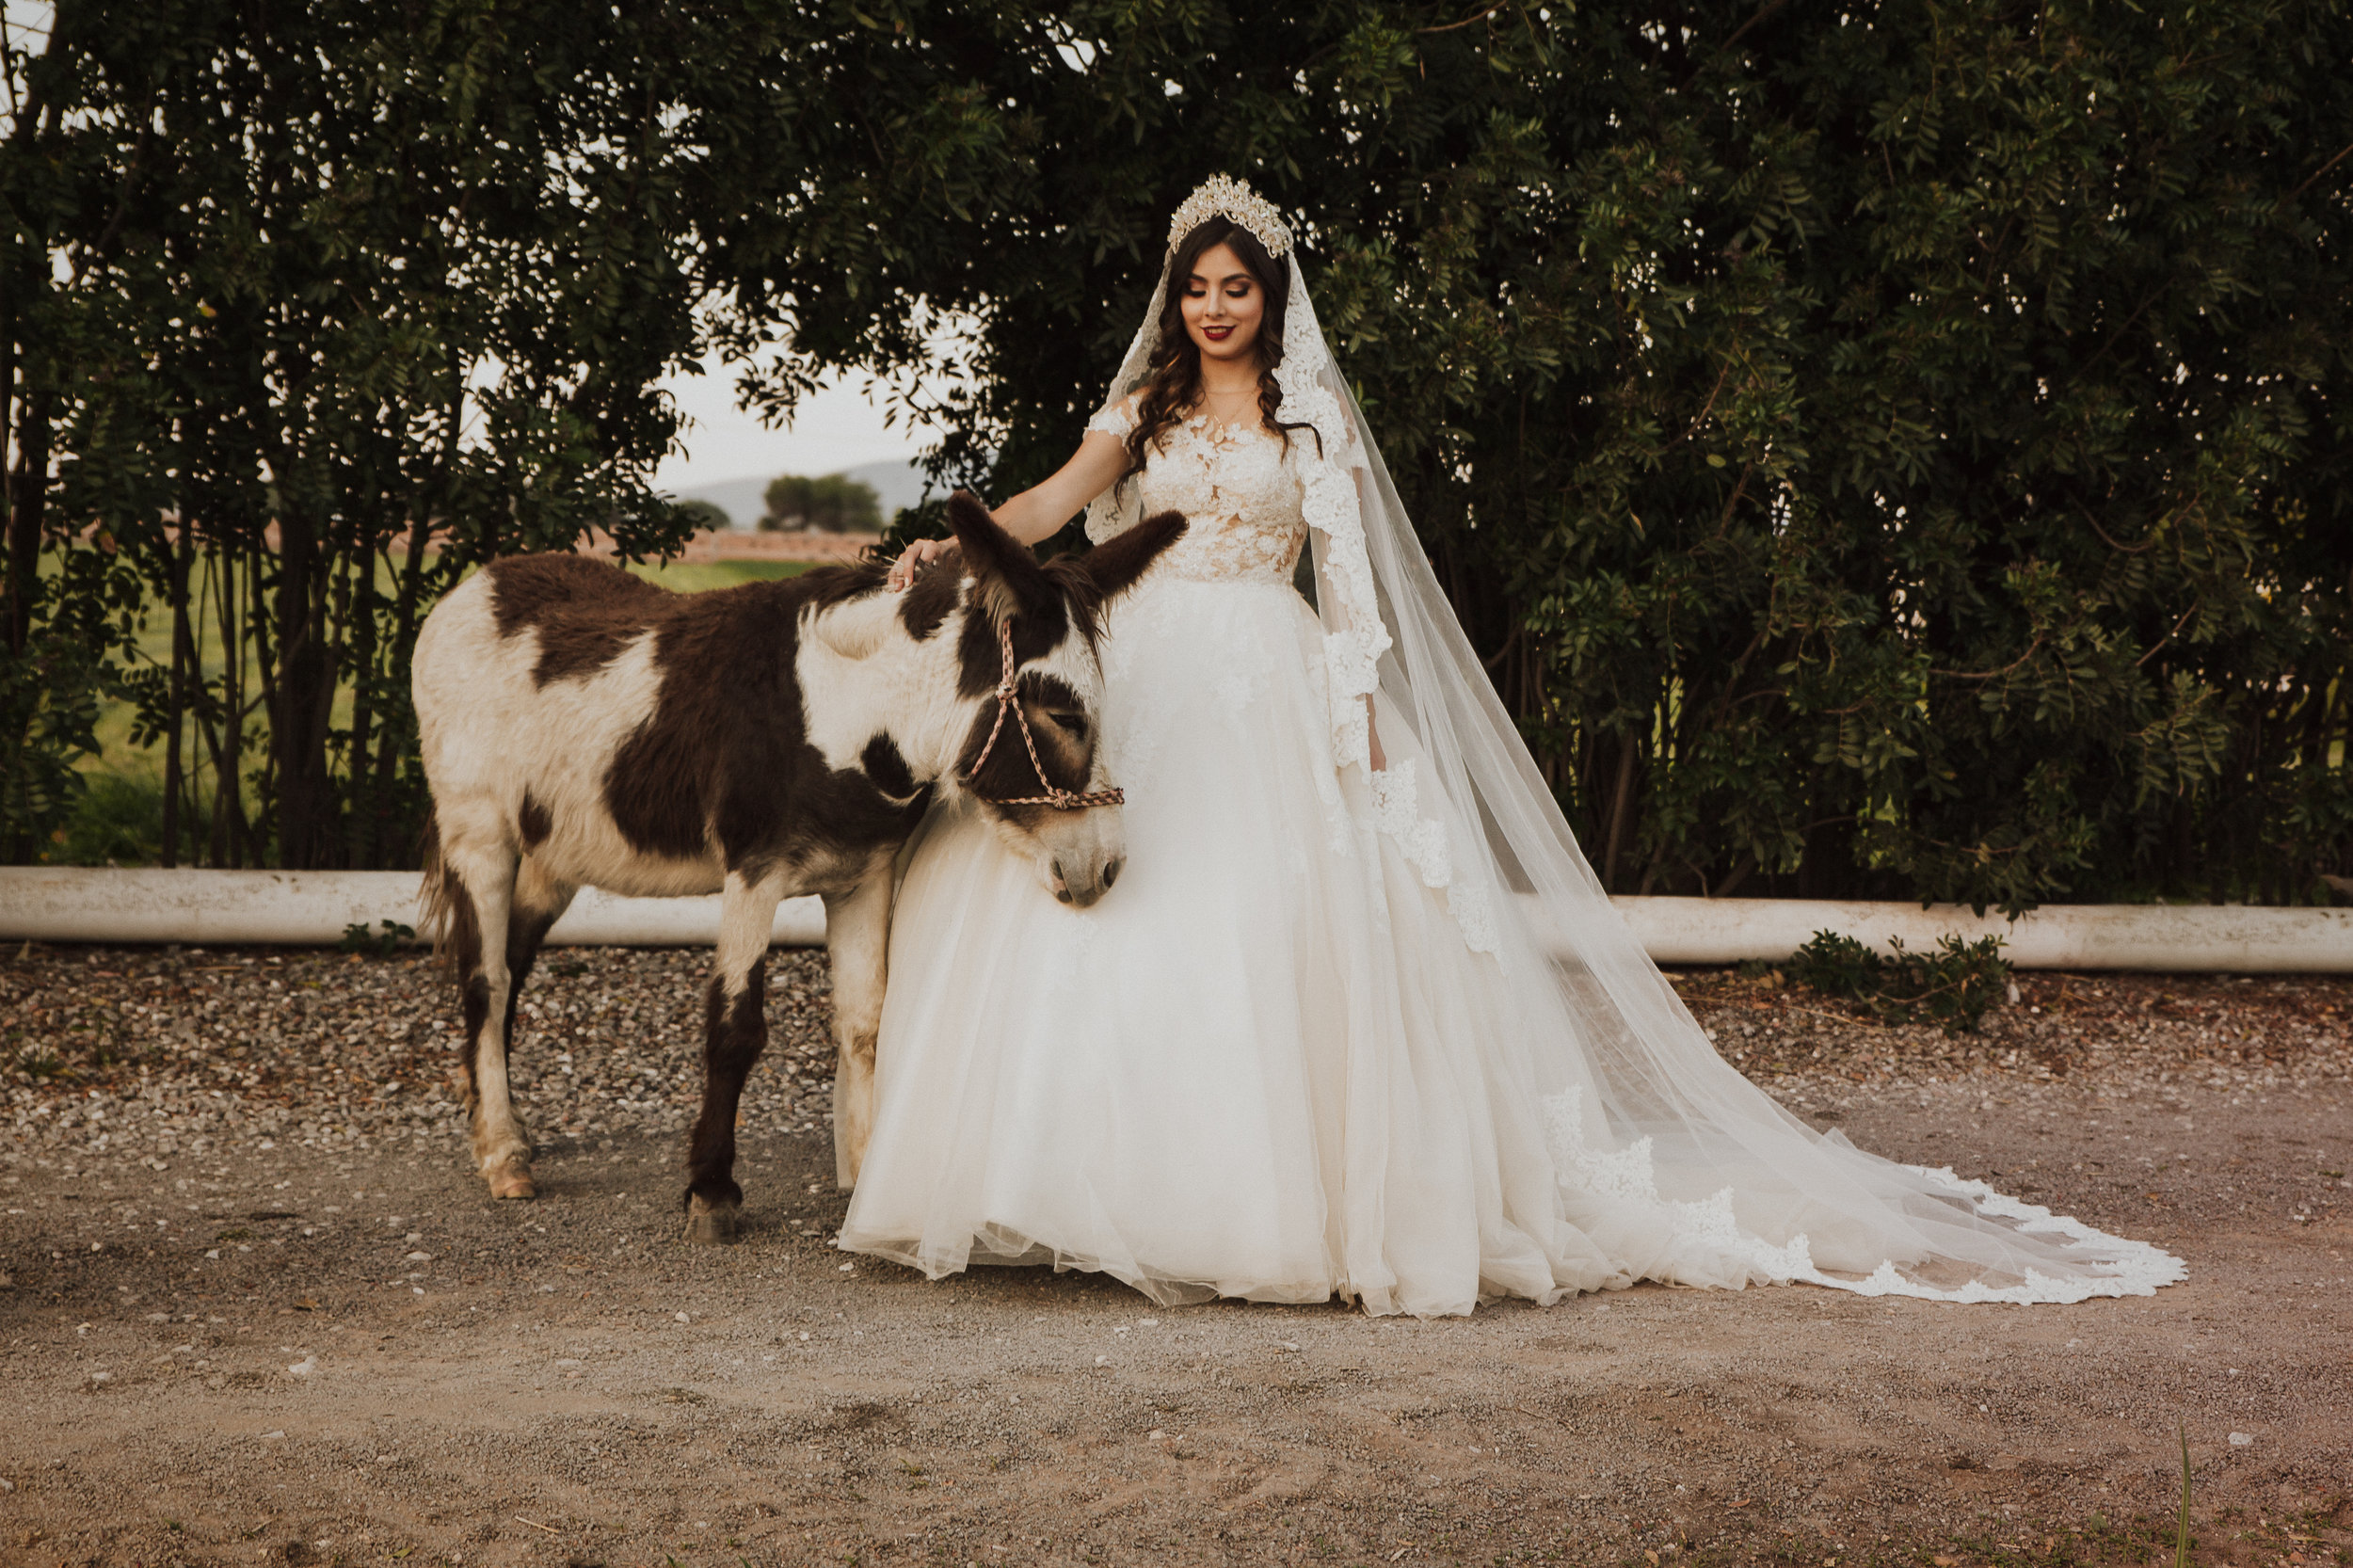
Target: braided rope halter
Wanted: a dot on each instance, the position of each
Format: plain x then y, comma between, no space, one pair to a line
1055,796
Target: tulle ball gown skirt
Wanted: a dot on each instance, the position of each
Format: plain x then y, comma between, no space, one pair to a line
1269,1063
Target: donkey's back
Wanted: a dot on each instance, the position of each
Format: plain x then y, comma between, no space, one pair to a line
587,716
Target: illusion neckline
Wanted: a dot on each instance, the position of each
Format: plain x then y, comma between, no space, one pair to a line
1211,430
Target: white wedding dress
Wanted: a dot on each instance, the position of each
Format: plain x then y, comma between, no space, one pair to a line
1377,1035
1276,1062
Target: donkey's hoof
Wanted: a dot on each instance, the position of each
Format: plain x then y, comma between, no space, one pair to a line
512,1180
714,1227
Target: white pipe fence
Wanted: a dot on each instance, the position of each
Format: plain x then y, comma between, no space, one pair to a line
312,908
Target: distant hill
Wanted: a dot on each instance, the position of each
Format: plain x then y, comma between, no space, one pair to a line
898,484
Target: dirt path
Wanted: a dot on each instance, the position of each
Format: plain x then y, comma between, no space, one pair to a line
380,1366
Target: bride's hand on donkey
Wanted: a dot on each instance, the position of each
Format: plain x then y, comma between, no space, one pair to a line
915,558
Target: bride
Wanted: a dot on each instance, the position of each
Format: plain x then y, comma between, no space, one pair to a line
1358,1021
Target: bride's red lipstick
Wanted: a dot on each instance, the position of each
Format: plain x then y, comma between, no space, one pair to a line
1217,334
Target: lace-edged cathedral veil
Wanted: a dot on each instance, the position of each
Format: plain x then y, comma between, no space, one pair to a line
1639,1107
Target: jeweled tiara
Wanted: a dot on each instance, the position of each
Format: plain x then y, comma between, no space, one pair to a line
1223,196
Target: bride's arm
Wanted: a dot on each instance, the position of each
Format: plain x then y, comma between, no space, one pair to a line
1040,511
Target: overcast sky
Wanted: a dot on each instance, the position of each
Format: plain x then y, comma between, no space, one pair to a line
838,428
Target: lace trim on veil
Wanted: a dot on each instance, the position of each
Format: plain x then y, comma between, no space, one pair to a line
1703,1244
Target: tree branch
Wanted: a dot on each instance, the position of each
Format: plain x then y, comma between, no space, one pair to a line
2346,150
1465,22
1993,675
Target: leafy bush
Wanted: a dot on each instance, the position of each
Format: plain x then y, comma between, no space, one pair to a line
1881,452
379,944
1954,987
118,820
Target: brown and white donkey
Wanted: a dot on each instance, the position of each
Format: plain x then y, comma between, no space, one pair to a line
584,727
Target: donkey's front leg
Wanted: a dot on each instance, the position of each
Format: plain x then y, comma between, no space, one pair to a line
736,1032
857,938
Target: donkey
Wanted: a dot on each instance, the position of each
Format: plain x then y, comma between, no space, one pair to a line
582,727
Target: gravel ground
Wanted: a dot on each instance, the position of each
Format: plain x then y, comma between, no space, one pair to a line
254,1307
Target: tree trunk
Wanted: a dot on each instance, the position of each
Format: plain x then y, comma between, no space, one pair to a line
27,495
1621,809
297,740
183,656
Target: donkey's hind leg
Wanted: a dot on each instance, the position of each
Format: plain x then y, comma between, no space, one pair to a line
539,902
736,1032
481,869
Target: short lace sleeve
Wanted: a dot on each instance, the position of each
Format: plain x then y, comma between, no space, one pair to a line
1117,420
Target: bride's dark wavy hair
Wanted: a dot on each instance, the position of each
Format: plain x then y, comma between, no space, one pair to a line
1175,383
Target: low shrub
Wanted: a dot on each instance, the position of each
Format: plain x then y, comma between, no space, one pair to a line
119,821
380,943
1954,987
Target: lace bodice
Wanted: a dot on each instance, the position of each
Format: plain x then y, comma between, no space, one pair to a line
1240,490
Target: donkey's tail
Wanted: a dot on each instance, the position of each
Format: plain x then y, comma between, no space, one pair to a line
442,902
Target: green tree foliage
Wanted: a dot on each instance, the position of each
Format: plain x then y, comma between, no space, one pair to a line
280,298
1893,450
832,504
1898,449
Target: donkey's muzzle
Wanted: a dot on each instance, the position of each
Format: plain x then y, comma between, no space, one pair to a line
1089,884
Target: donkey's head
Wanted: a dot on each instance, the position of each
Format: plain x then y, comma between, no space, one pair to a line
1025,760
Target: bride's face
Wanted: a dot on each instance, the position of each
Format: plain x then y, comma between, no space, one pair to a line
1222,305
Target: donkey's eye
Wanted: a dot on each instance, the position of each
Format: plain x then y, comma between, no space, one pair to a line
1074,723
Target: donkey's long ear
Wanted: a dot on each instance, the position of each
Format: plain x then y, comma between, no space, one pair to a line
1009,578
1114,564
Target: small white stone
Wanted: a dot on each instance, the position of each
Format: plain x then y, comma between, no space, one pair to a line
1154,1436
1288,1344
805,1334
1147,1322
2242,1440
418,1257
682,1316
268,1436
849,1268
1102,1361
305,1367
